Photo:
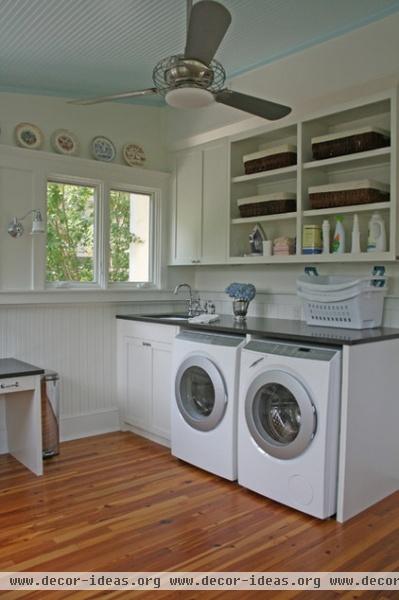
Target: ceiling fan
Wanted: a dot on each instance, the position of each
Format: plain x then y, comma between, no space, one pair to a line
195,79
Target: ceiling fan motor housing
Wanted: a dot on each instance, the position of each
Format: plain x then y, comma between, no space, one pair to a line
175,72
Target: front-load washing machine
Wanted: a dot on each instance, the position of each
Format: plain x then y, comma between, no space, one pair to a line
288,424
205,402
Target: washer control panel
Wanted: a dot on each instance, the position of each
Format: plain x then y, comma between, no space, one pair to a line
211,339
292,350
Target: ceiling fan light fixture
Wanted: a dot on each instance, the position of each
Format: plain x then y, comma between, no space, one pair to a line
189,97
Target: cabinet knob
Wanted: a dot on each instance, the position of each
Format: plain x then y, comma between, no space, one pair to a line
146,344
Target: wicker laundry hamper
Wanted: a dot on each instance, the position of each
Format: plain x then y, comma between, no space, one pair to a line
50,396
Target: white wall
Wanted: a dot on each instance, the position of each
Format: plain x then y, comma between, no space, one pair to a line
121,123
356,64
78,339
71,332
23,178
276,288
79,342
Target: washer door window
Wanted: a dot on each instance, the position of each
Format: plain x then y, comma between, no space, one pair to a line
200,393
280,414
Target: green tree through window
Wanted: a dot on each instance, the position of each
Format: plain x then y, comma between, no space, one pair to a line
120,236
129,217
70,232
71,247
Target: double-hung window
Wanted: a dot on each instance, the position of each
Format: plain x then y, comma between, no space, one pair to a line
100,239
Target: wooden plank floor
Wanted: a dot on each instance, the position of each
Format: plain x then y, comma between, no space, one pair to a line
118,502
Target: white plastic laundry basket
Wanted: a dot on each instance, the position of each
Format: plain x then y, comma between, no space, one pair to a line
347,302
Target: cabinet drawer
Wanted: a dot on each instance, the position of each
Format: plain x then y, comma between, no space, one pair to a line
17,384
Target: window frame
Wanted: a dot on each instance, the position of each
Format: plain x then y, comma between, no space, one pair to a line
102,223
155,237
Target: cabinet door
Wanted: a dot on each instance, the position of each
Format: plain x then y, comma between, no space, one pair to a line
188,208
215,210
161,389
138,386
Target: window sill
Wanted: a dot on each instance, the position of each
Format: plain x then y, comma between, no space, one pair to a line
86,296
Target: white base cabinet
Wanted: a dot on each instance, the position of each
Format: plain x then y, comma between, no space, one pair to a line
144,365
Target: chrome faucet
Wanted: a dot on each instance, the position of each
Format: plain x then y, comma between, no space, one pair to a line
194,307
190,302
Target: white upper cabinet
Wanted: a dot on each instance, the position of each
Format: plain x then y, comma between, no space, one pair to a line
214,204
187,207
200,205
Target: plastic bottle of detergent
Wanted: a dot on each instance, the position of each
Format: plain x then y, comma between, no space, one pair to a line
377,239
326,236
338,244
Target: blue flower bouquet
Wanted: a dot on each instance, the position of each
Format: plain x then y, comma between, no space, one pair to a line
242,294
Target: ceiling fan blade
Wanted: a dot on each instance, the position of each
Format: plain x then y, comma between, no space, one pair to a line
251,104
207,27
135,94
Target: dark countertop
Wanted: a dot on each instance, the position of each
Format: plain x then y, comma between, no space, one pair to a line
282,329
11,367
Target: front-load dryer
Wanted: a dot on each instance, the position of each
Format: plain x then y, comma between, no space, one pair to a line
288,424
205,402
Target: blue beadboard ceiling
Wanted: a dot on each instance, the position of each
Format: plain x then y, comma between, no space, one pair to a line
79,48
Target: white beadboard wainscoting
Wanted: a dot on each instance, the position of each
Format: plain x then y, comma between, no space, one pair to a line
286,306
79,342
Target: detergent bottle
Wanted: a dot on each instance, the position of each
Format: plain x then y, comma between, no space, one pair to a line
338,244
377,239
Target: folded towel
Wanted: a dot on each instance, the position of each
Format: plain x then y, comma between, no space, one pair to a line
205,318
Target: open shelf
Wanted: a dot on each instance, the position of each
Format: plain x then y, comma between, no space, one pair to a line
339,210
275,174
263,218
365,257
360,159
379,164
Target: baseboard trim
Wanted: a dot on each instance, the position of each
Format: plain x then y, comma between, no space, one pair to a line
80,426
145,434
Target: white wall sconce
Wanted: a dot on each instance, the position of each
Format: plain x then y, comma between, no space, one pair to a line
16,229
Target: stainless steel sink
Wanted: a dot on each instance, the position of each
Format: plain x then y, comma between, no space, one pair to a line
169,317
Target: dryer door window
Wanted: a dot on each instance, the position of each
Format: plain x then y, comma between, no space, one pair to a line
280,414
200,393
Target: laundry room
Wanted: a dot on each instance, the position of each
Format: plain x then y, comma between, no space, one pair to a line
199,297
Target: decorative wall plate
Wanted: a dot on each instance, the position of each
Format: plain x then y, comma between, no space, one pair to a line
64,142
103,149
133,155
28,136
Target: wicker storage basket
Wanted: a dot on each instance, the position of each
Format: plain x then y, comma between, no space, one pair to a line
50,428
273,158
269,204
350,193
349,142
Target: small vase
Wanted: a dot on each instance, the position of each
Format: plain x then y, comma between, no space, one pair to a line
240,309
